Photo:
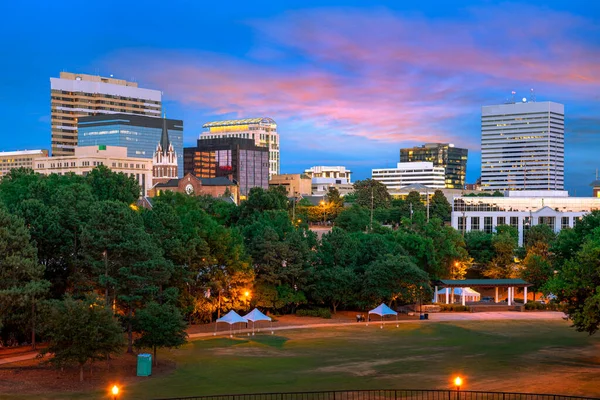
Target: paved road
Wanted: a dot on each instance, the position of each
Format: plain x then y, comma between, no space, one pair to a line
24,357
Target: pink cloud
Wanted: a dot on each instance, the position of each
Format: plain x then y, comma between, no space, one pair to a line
379,75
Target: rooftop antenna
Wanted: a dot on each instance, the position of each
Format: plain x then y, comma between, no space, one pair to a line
512,99
532,96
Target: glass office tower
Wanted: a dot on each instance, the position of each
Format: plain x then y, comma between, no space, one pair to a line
445,155
139,134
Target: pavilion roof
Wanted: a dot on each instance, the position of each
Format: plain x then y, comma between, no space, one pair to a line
482,283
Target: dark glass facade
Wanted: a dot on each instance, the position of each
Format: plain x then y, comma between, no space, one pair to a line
140,134
238,159
445,155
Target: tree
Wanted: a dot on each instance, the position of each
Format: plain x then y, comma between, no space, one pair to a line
125,260
108,185
334,201
21,276
395,278
536,270
353,219
81,331
576,281
159,325
540,236
370,192
503,265
336,280
413,204
440,207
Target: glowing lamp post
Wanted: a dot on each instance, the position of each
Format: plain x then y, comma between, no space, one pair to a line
115,392
458,382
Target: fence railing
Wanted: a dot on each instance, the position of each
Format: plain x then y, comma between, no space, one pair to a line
391,394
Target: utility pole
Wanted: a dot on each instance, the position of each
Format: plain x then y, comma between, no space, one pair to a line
105,253
427,194
371,223
294,210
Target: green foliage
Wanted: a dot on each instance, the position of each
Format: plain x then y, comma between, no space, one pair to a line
452,307
370,192
21,276
108,185
158,326
439,207
395,278
353,219
317,312
80,331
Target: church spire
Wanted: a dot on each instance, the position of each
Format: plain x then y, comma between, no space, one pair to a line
164,138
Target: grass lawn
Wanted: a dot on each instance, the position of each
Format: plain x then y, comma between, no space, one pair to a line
524,356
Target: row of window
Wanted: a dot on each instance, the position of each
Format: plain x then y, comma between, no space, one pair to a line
488,226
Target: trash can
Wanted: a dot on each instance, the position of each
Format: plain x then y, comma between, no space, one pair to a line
144,364
426,316
421,316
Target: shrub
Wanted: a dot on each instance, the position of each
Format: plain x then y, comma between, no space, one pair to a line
453,307
552,306
317,312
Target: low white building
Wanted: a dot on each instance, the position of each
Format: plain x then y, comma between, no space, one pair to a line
87,158
324,177
410,173
521,209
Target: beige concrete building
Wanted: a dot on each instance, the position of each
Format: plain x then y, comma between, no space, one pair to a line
295,184
78,95
19,159
87,158
263,131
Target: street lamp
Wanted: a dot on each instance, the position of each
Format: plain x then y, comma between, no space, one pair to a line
322,202
458,382
115,392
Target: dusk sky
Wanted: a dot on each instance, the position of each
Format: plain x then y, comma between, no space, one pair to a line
349,83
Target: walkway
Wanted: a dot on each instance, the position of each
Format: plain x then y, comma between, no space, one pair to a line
484,316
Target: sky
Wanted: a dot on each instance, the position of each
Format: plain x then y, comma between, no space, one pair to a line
348,83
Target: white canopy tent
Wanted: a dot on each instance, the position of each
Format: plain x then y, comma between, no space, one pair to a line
383,310
255,316
230,318
470,294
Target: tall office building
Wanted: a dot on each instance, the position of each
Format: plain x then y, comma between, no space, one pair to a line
78,95
139,134
452,159
522,146
263,131
236,159
19,159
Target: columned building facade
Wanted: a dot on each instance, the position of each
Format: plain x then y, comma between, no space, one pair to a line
522,146
521,210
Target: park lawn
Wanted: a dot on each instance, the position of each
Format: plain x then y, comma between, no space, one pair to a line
522,356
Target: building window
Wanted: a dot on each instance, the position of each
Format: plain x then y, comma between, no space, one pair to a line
487,224
501,221
564,222
474,223
462,224
514,222
526,223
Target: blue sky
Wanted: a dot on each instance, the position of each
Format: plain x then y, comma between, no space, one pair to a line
349,83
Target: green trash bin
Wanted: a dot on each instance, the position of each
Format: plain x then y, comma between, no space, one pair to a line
144,364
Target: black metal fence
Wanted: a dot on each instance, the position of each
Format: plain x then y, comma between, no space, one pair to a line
391,394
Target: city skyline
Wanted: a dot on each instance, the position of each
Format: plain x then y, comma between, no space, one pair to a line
340,95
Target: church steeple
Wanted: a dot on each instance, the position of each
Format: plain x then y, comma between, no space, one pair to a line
165,159
164,137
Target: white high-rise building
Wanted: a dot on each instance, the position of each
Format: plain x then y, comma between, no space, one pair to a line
80,95
522,146
409,173
263,131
